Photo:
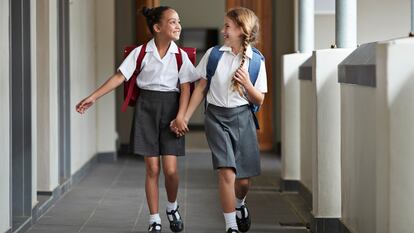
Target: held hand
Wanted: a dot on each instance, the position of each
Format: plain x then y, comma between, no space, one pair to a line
173,127
179,127
82,106
242,77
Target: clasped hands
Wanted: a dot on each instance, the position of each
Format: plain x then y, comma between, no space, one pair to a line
179,126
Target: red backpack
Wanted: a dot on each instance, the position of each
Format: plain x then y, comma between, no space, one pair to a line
131,90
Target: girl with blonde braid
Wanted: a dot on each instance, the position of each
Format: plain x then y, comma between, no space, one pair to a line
227,73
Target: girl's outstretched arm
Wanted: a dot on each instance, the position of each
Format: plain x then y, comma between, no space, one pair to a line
110,84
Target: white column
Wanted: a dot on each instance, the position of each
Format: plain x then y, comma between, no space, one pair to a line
4,118
327,162
346,23
291,115
412,17
306,21
105,67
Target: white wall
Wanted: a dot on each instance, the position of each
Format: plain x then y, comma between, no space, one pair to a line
395,132
199,13
379,20
4,118
83,81
46,75
377,148
33,85
358,130
327,162
291,115
324,31
105,67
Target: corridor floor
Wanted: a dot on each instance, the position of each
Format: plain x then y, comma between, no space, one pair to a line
112,199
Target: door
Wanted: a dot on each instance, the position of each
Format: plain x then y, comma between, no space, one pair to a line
263,10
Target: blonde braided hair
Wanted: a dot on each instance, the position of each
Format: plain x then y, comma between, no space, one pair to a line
247,20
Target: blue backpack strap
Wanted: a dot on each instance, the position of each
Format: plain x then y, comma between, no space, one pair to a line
254,68
213,60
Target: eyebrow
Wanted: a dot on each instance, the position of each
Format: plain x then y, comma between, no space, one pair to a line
173,19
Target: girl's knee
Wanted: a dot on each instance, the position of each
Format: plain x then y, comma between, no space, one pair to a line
153,171
227,175
170,172
243,182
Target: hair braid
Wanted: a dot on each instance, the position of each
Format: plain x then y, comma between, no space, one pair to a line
236,85
248,22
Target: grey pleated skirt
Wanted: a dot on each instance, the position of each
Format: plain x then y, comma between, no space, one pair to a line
151,134
231,135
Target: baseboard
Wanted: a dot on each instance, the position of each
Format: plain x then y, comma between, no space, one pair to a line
84,170
124,149
24,227
39,210
297,186
289,185
306,194
318,225
107,157
331,225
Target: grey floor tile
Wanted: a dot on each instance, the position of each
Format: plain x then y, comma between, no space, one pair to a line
112,199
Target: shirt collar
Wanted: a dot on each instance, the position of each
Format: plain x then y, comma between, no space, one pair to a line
249,51
151,47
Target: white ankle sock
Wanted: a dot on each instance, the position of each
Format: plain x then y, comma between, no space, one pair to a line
230,219
171,206
240,202
154,218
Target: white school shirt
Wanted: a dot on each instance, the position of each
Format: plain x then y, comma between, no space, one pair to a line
159,74
221,91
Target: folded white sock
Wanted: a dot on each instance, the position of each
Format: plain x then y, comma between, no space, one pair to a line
172,206
154,218
230,219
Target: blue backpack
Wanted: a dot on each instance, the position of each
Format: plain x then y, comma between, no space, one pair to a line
254,68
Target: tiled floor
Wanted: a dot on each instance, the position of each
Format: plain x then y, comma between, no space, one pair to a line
112,199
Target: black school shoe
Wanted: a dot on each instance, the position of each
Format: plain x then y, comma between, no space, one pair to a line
231,230
176,223
244,222
154,228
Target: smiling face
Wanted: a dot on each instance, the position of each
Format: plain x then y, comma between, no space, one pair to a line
232,33
169,26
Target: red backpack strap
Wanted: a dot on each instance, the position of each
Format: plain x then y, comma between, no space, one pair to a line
179,58
132,86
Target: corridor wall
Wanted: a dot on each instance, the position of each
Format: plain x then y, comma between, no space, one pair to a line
83,81
4,118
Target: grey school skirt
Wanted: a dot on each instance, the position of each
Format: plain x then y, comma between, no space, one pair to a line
151,134
231,135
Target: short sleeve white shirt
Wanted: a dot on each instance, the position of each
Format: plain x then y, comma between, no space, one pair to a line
159,74
221,91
